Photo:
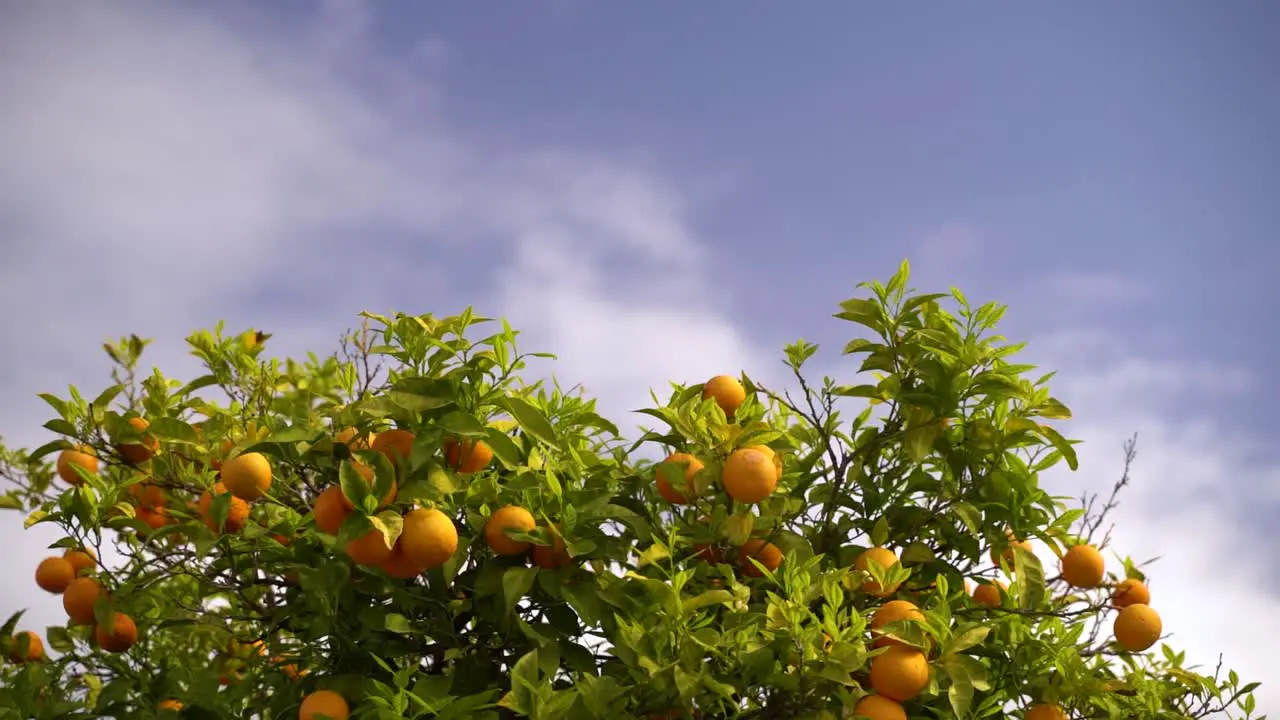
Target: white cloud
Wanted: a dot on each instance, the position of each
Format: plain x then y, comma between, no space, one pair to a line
176,169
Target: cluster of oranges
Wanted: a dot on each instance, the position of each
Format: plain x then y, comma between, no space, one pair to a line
69,575
901,671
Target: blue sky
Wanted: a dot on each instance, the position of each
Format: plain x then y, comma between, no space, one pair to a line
671,194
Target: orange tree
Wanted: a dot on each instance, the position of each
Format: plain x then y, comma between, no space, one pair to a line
409,529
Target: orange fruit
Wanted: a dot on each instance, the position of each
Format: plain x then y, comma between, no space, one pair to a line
1137,627
122,635
367,473
892,612
83,456
369,549
988,594
397,445
707,553
78,600
1130,592
879,707
237,513
1046,711
510,517
681,496
330,510
170,704
467,456
81,559
727,392
324,703
147,495
751,473
553,556
765,553
54,574
35,648
429,537
247,476
885,559
1083,567
399,565
348,437
899,673
156,519
138,453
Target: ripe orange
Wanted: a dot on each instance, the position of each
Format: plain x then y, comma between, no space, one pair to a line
147,495
397,445
429,537
683,495
81,559
765,553
899,673
324,703
369,549
510,517
83,456
367,473
170,704
885,559
751,473
879,707
138,453
399,565
348,437
892,612
552,556
54,574
467,456
988,594
247,476
156,519
330,510
1046,711
1137,627
122,636
78,600
727,391
237,513
1083,567
707,553
35,647
1130,592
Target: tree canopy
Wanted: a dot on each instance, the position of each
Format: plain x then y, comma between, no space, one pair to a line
413,527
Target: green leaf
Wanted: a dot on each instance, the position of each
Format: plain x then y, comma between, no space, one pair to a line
863,312
35,517
880,532
103,401
390,523
1060,444
60,426
960,694
59,639
504,448
48,448
966,638
353,485
969,515
918,441
397,623
515,583
173,430
532,420
710,597
462,425
1029,578
103,614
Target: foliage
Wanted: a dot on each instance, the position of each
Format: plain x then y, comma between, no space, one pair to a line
640,607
